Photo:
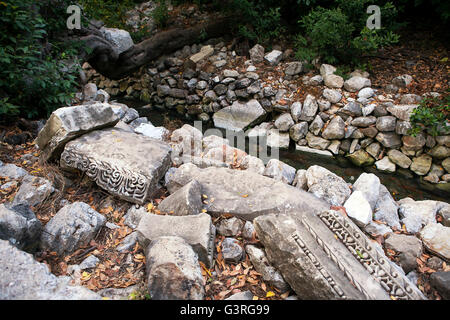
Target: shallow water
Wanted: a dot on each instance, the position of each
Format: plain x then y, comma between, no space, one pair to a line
399,185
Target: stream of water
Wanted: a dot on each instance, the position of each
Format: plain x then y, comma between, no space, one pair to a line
400,185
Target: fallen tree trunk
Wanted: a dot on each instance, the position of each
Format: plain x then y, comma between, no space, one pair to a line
107,62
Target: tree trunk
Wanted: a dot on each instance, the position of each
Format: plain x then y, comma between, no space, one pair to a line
107,62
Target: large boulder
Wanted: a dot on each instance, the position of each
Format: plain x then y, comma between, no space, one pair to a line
369,184
327,186
33,191
173,271
436,238
416,214
239,116
67,123
73,226
243,193
197,230
19,226
386,209
185,201
125,164
23,278
326,256
120,39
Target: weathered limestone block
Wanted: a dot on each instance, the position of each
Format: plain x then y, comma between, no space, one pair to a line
173,271
243,193
19,225
197,230
125,164
326,256
73,226
23,278
185,201
68,123
239,115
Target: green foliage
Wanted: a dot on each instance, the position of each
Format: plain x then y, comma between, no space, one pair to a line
339,34
161,14
431,116
34,80
111,12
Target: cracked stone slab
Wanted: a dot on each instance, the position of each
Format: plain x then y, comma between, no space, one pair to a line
326,256
68,123
243,193
123,163
239,116
197,230
23,278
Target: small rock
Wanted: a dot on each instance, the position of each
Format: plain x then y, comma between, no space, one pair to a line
231,250
229,227
358,208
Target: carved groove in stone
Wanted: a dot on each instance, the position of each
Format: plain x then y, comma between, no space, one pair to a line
318,266
374,262
335,259
116,180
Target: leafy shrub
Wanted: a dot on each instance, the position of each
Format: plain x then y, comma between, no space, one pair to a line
340,35
431,116
34,80
161,14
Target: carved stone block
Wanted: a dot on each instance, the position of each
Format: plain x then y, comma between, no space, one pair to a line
124,163
326,256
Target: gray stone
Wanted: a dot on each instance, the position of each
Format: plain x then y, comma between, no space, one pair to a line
120,39
386,123
33,191
232,250
436,238
68,123
416,214
402,81
366,93
277,139
327,186
364,121
441,282
404,244
386,209
246,295
73,226
118,293
399,158
89,263
309,109
416,143
197,230
128,242
316,125
385,164
269,274
317,142
298,131
280,171
369,184
130,115
353,109
253,164
402,111
358,208
173,272
19,226
421,165
356,83
317,258
243,193
23,278
300,180
333,81
248,231
274,57
149,130
326,69
296,110
134,216
389,139
331,95
440,152
190,139
185,201
205,52
402,127
284,122
377,229
239,116
335,129
257,54
230,227
125,164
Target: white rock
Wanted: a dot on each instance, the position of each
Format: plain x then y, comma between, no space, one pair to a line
358,208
